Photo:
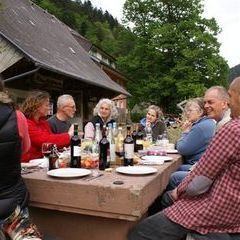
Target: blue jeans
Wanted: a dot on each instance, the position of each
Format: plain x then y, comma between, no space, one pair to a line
185,167
176,178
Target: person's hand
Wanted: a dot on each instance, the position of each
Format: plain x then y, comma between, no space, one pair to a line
174,194
186,125
148,124
71,131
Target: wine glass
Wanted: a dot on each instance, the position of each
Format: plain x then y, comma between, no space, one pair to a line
46,151
159,140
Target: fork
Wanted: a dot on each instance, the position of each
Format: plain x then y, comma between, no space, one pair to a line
95,174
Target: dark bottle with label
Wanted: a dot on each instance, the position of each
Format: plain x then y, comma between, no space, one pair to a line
104,151
128,148
139,140
75,149
53,157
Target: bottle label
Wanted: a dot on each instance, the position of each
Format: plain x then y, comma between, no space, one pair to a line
139,141
128,150
76,151
112,152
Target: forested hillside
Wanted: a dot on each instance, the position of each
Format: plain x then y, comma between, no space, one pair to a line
170,54
101,28
234,72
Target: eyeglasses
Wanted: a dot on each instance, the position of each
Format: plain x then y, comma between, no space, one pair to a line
191,110
73,107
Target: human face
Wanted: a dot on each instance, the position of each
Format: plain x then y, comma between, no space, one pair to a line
151,116
214,106
234,102
42,110
104,111
69,109
193,112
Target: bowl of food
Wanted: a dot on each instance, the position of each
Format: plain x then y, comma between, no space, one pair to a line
89,160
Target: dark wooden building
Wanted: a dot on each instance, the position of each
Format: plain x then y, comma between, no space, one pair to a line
38,51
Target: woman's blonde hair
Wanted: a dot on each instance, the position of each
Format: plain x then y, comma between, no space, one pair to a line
33,102
110,103
199,102
157,109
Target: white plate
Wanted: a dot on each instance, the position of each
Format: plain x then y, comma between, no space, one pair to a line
172,151
42,162
29,165
136,170
68,172
160,159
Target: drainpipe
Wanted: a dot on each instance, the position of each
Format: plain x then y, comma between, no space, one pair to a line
21,75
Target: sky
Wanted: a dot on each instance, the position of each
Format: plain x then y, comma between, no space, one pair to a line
226,13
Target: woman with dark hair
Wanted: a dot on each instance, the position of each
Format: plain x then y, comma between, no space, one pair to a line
35,108
14,140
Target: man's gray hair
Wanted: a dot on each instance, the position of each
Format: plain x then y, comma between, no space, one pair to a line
221,92
61,102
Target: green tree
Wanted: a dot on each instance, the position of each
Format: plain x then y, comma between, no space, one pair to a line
176,53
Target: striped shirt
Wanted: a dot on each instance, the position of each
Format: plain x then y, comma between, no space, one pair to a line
217,210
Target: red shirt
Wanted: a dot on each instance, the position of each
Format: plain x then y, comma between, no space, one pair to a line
217,210
39,133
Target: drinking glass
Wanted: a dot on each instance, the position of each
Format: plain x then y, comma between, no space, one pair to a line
159,141
46,151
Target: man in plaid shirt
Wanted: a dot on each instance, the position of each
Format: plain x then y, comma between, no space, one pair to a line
207,202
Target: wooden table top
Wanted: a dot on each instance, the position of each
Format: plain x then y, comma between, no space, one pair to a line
100,196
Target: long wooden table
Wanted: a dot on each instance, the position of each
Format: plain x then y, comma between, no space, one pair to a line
76,209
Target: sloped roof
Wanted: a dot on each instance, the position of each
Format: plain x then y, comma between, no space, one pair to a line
49,43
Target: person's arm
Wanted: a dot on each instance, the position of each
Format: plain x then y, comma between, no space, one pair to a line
214,160
40,133
198,136
89,131
160,128
23,131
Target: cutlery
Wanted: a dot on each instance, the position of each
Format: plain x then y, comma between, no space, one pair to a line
93,176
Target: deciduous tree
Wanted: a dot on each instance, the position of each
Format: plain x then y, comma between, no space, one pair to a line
176,53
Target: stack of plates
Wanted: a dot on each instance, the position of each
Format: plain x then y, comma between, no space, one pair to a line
136,170
155,160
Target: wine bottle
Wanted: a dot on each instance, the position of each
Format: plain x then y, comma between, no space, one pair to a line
134,136
148,131
112,144
128,148
119,143
139,140
75,149
114,130
104,147
97,139
98,134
